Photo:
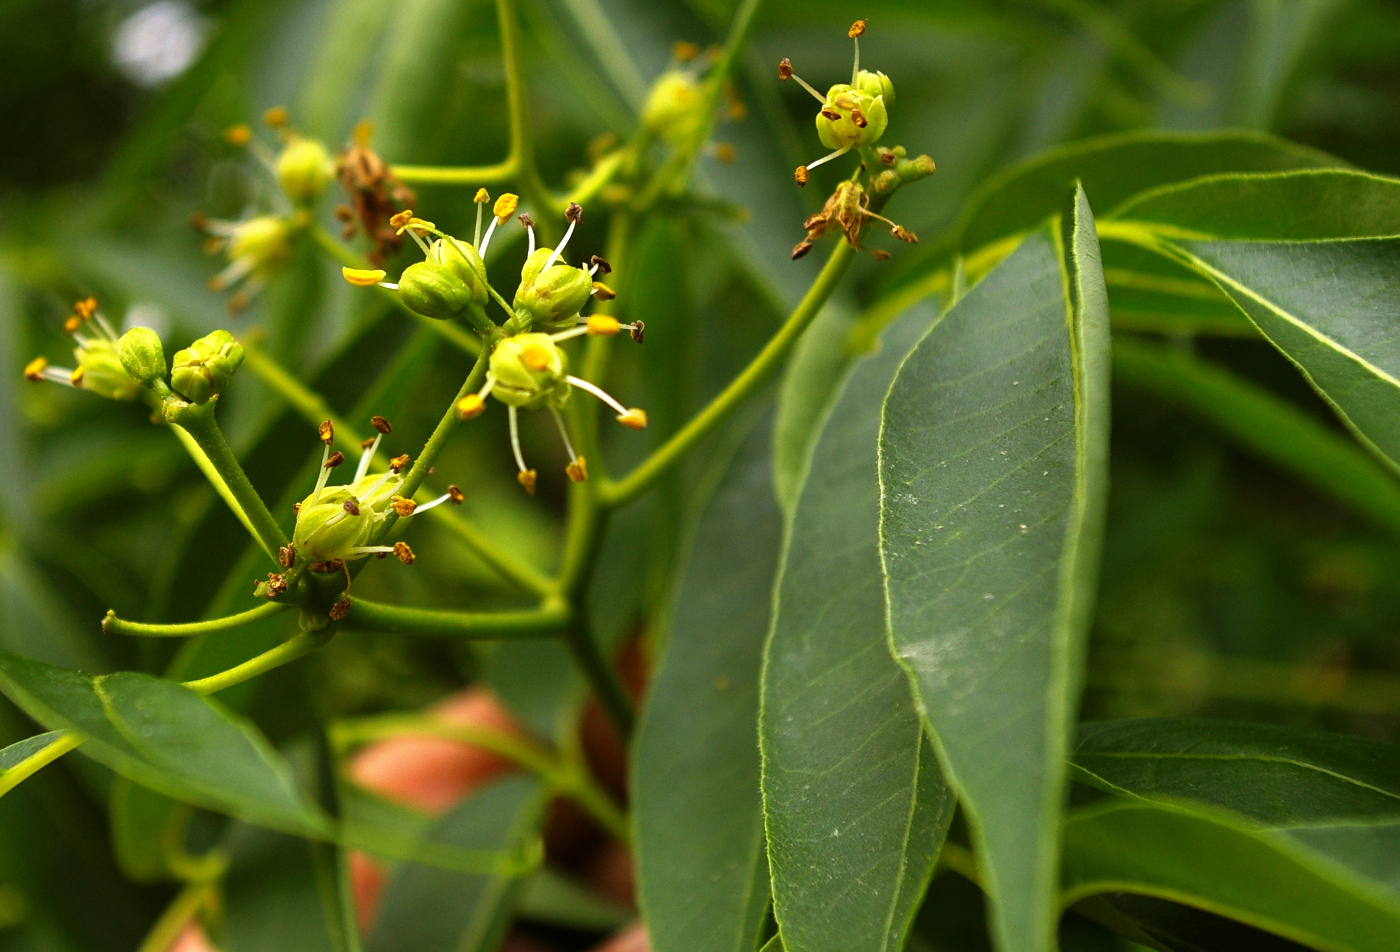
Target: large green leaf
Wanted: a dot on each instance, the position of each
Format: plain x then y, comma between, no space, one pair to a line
272,895
1313,258
852,793
1228,867
702,872
1113,169
993,472
425,909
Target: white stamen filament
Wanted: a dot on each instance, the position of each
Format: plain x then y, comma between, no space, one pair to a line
389,284
371,549
530,229
429,505
827,158
375,486
485,242
419,239
515,438
592,271
570,334
597,392
325,473
855,69
239,269
808,86
106,328
559,248
476,234
58,375
490,385
366,457
81,340
564,435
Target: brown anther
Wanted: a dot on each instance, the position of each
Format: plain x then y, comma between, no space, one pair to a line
399,463
573,213
603,292
404,507
286,556
724,152
832,114
374,195
335,459
366,444
801,175
857,117
601,264
326,568
213,245
903,234
404,553
454,495
381,424
881,254
277,117
402,218
325,431
276,584
296,508
685,52
801,249
381,555
857,29
578,470
34,370
527,479
637,329
526,220
352,506
340,609
344,213
785,69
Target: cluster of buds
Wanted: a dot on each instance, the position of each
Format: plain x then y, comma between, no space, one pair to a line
375,196
126,367
337,523
853,115
674,107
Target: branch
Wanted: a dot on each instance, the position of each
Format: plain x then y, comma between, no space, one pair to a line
527,623
113,625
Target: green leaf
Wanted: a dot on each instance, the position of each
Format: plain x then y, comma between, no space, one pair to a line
1116,167
1275,775
425,909
167,737
993,471
551,898
1225,866
702,872
1304,255
272,895
852,793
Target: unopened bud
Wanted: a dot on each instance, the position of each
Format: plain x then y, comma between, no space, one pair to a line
552,295
304,169
462,259
141,354
529,371
204,369
434,291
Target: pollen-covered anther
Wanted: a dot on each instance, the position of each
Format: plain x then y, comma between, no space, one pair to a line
801,175
633,419
286,556
363,277
404,507
381,425
857,29
470,407
603,325
334,460
34,370
505,207
527,479
578,470
455,495
399,463
340,609
276,584
904,234
403,553
858,118
481,197
785,69
367,444
602,292
401,219
326,431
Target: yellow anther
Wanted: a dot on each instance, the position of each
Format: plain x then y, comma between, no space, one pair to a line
364,131
603,325
505,207
527,479
363,277
76,377
857,29
34,370
402,218
326,431
72,324
535,356
801,175
633,419
404,553
578,470
470,407
277,117
417,224
238,135
404,507
482,196
685,52
603,292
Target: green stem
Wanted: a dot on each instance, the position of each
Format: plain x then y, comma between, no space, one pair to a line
198,421
438,440
522,148
522,752
536,622
201,460
764,366
117,626
1269,426
176,916
285,653
456,175
521,574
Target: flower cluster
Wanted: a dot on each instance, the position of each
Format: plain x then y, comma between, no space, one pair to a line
674,107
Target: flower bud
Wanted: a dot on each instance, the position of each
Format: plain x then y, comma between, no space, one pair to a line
433,290
205,368
101,371
141,354
463,260
328,528
529,371
304,169
873,84
852,119
556,294
670,113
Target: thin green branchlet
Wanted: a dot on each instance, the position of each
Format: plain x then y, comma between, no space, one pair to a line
520,344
